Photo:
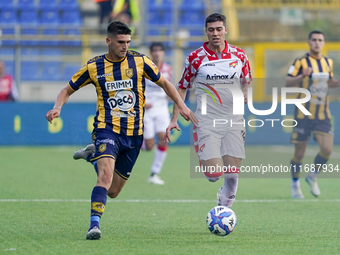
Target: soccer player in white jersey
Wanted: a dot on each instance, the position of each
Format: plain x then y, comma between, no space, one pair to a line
157,117
214,70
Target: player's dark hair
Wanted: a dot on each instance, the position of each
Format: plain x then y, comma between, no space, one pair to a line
216,17
118,28
156,44
314,32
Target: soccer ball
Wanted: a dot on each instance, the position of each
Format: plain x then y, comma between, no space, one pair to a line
221,220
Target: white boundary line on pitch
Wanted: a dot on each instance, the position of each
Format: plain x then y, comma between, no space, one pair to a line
168,200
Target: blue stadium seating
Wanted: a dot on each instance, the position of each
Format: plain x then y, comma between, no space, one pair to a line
69,69
65,5
49,19
71,17
192,5
29,21
51,51
26,5
8,16
47,5
10,67
189,18
74,34
51,70
7,51
6,5
8,19
29,71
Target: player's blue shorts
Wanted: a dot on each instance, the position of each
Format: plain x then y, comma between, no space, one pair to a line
304,127
123,149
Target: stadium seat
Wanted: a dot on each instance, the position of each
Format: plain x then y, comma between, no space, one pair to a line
26,5
8,19
154,17
71,18
6,5
66,5
10,67
47,5
51,52
51,71
29,21
74,37
192,5
69,69
31,52
196,32
29,71
49,17
190,18
9,51
49,20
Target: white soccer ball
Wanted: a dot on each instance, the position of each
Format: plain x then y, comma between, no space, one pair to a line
221,220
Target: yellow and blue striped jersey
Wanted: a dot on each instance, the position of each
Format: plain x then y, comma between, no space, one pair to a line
316,83
120,87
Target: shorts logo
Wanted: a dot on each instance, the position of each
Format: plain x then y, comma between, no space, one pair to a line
102,147
129,72
202,147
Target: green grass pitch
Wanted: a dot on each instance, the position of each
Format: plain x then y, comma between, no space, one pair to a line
45,209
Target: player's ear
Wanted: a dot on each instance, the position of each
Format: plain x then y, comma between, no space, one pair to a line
226,30
108,40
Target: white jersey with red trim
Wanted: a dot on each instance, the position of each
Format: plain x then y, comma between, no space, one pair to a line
210,74
154,94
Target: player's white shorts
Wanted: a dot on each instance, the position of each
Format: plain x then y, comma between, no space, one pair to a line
156,120
211,144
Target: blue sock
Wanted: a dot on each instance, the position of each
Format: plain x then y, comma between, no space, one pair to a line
98,202
295,168
320,160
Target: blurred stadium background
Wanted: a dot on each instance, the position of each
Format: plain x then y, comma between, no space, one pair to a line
44,42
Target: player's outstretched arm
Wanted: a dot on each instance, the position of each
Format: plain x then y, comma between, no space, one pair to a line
294,81
62,98
175,96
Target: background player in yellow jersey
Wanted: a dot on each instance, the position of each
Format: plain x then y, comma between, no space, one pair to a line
119,79
313,72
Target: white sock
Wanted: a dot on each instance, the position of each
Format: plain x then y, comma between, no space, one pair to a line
230,188
296,183
160,155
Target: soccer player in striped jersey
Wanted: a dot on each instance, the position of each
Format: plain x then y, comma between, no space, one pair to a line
314,72
157,117
214,69
119,78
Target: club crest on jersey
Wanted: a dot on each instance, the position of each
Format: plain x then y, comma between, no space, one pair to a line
233,64
202,147
129,72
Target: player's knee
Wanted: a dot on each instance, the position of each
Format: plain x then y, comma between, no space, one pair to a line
326,152
213,177
162,144
149,145
113,194
105,179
